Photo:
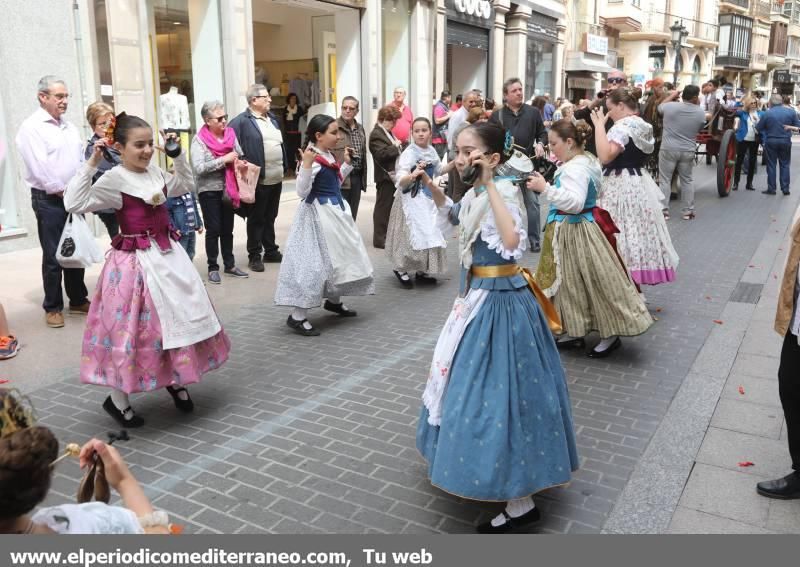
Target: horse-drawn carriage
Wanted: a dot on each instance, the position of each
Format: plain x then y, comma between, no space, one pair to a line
718,140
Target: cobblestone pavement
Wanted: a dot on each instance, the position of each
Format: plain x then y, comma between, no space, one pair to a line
316,435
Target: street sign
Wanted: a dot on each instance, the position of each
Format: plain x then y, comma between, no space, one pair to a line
657,51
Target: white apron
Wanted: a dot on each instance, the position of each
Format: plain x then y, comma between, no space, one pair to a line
345,247
421,215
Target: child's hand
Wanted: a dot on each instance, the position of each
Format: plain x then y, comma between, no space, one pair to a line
309,156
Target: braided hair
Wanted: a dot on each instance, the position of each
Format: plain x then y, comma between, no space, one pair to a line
26,452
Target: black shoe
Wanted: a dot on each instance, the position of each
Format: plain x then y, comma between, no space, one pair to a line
273,257
186,405
768,192
673,196
256,265
119,416
407,283
569,342
786,488
424,278
379,246
339,308
299,328
511,524
750,188
735,187
787,192
536,248
604,353
236,273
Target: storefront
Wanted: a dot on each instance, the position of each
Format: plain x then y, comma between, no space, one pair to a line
784,81
309,48
467,36
585,68
542,38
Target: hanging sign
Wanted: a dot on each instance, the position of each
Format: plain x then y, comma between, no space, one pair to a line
477,8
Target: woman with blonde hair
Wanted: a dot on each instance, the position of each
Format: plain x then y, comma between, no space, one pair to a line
747,140
99,115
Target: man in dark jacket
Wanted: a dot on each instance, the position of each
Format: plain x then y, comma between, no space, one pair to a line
616,79
260,137
352,136
526,125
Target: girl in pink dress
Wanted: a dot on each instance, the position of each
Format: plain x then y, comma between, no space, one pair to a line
151,324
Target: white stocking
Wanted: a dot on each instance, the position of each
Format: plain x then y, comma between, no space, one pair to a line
515,509
605,343
299,314
122,403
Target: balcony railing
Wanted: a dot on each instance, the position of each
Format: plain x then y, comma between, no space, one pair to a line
740,3
741,61
760,9
781,9
759,59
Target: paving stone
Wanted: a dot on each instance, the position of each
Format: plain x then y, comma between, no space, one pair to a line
758,390
756,365
784,515
725,493
748,417
726,449
688,521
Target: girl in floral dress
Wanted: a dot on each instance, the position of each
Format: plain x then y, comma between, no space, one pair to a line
414,242
496,422
629,194
151,324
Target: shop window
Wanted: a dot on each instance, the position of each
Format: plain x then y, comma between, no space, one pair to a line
396,48
697,71
539,75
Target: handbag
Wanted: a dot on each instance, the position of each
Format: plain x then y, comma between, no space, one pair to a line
247,180
77,247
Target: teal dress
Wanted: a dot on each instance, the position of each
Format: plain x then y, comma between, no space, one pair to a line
506,430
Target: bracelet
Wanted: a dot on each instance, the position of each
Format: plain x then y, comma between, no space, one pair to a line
154,519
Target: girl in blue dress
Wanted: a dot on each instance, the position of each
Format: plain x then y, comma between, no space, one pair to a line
496,423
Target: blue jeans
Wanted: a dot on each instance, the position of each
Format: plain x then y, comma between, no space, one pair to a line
187,241
50,220
534,220
778,151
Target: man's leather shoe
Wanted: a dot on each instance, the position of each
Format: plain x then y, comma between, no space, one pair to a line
256,265
273,257
80,309
768,192
786,488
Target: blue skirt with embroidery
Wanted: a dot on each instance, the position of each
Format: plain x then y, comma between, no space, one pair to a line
506,429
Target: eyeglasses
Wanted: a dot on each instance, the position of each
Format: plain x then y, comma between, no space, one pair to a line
351,108
222,118
262,96
59,96
617,80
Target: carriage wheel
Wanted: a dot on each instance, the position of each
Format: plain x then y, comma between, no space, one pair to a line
726,163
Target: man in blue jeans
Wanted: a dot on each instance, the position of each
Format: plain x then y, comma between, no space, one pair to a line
776,134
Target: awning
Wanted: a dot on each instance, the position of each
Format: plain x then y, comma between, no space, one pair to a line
580,61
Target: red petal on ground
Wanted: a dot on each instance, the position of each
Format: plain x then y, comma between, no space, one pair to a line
718,322
708,297
4,381
747,464
741,390
658,310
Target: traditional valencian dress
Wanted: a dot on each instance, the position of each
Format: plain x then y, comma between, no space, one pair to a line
151,323
496,423
633,200
324,255
414,241
579,267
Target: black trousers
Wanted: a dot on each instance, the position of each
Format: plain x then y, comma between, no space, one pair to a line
749,149
789,389
353,194
50,220
380,214
261,221
292,142
218,220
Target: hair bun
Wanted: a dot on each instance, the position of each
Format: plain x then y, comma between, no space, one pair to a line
583,131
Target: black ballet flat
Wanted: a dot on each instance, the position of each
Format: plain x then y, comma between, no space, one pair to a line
119,416
511,525
187,405
424,278
339,308
407,283
604,353
570,342
300,329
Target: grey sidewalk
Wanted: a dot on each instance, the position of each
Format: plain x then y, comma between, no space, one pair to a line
317,435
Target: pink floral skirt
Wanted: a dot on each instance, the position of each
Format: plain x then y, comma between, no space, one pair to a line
122,343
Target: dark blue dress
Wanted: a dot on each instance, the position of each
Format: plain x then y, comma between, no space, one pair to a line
506,429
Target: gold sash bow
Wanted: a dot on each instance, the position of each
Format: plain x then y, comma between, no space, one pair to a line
508,270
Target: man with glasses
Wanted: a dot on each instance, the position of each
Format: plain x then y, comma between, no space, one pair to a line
52,150
352,136
260,137
458,121
616,79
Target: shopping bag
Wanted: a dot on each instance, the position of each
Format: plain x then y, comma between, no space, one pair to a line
77,247
247,179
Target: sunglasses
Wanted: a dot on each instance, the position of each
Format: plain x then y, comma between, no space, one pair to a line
351,108
617,80
223,118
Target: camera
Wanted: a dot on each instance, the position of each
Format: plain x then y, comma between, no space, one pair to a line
172,146
471,174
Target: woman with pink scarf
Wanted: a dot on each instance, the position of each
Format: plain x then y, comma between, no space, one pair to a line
214,152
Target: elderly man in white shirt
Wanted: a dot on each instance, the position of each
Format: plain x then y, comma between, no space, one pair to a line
52,150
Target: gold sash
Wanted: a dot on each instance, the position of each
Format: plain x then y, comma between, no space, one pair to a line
508,270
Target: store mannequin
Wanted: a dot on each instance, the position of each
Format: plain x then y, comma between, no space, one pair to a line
174,110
